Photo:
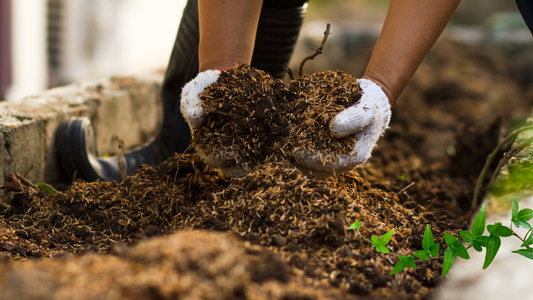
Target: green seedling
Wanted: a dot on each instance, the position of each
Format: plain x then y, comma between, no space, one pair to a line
381,242
454,245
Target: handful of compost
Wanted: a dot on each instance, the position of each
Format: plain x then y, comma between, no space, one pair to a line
242,118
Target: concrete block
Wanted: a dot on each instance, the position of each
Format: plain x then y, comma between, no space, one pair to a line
128,107
25,147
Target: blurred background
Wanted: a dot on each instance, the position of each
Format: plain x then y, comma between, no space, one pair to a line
46,43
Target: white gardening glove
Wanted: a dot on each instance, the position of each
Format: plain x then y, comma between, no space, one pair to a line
191,105
367,119
195,116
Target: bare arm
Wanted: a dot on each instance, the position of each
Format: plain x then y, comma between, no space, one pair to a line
411,28
227,32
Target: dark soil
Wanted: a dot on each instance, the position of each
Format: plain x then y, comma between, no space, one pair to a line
184,230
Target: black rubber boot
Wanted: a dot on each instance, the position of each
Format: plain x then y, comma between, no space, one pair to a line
278,30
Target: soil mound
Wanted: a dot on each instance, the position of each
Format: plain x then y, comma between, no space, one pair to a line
296,224
186,230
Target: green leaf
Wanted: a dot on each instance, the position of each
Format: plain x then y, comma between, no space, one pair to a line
493,245
478,242
499,230
422,254
460,250
528,253
380,243
355,225
46,188
522,223
382,249
492,228
434,250
449,259
384,239
477,246
514,211
411,262
482,240
400,266
528,241
449,239
478,227
427,241
375,241
525,214
467,236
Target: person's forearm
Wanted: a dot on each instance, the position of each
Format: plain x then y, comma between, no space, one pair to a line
227,32
410,30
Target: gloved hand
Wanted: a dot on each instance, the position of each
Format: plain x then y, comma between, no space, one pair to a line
367,119
191,105
195,116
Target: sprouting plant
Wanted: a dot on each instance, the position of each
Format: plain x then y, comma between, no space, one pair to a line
455,247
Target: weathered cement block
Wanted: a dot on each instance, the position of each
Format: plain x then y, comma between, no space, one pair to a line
3,157
128,107
25,146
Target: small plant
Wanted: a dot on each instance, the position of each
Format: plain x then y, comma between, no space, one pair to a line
455,247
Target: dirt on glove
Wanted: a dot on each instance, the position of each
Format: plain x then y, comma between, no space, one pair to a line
261,119
184,230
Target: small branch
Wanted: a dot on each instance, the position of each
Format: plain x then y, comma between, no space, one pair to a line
121,167
290,73
490,158
405,188
317,52
527,233
25,181
435,194
523,240
431,258
28,172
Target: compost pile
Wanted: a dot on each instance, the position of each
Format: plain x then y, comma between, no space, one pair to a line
289,227
260,119
184,230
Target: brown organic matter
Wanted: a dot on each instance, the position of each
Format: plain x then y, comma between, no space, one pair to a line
291,227
183,230
261,119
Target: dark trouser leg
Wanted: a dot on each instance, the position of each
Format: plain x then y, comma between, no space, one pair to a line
74,138
526,9
277,32
278,29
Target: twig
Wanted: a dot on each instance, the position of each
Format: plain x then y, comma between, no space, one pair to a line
317,52
25,181
121,167
27,172
435,194
490,158
405,188
290,73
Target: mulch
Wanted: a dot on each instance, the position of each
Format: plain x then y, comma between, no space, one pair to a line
185,230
